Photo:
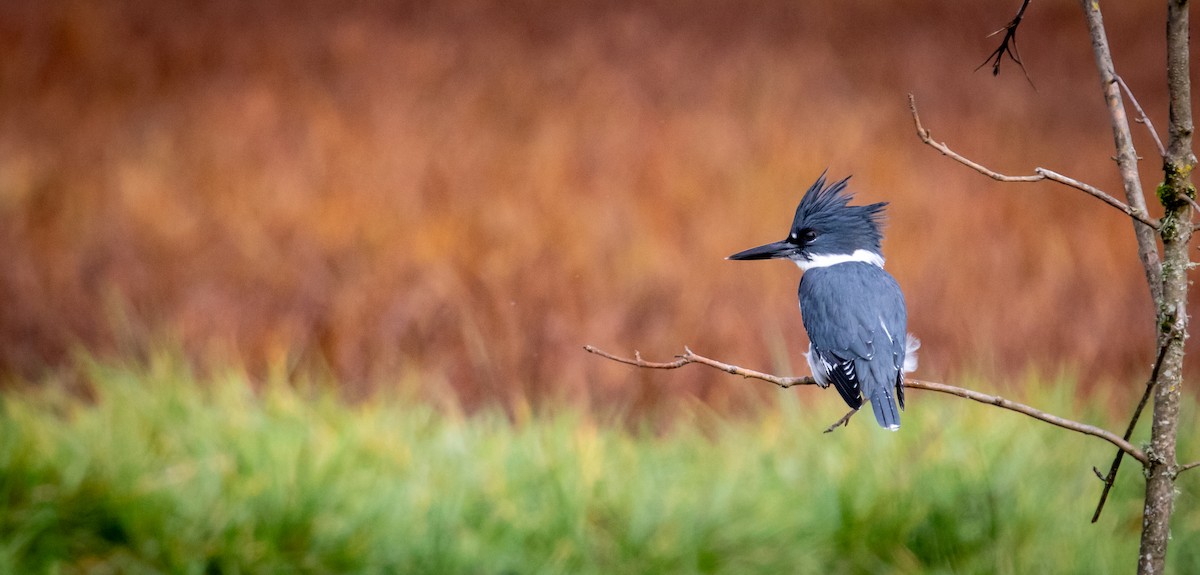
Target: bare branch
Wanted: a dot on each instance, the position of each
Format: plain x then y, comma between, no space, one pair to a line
1040,173
927,137
1142,117
689,357
1191,465
1008,46
784,382
1101,195
1031,412
1111,478
1126,155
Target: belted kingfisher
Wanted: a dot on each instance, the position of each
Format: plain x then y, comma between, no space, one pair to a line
852,309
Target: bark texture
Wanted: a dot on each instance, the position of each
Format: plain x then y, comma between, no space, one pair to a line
1176,231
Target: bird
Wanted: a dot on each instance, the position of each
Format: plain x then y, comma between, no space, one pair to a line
853,310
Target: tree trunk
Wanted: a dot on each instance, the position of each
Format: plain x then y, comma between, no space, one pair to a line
1172,310
1160,473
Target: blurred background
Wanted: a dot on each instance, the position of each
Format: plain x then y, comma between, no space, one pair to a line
472,190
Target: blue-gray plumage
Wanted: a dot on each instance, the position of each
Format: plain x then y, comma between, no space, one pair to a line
853,310
854,314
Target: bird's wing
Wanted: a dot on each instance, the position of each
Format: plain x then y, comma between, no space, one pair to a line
855,317
841,372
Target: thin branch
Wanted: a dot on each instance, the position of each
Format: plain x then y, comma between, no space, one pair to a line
1040,173
1008,46
1054,176
1191,465
784,382
1126,154
1031,412
1111,478
689,357
1142,117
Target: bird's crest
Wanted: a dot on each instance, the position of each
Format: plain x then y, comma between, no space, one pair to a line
828,209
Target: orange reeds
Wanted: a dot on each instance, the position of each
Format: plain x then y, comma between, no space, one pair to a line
475,189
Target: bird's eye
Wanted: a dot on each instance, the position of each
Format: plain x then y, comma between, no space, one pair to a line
804,236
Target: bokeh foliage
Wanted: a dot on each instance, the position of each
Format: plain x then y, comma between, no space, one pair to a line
164,471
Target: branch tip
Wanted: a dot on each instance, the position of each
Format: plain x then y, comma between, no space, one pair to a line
1008,46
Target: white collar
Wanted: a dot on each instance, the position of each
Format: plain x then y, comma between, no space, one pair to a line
826,260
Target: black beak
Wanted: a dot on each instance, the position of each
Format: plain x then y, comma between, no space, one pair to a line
765,252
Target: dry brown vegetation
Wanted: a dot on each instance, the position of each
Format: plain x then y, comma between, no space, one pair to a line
473,190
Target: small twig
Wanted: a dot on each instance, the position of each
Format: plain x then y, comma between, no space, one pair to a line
1111,478
1039,173
1142,117
842,422
784,382
1191,465
1008,46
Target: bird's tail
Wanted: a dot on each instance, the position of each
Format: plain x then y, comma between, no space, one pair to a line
884,406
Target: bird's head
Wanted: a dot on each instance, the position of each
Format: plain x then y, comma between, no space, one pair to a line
827,230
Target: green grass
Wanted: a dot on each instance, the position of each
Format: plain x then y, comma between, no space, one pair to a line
162,472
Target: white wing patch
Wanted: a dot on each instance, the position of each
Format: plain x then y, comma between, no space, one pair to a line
820,374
